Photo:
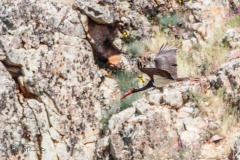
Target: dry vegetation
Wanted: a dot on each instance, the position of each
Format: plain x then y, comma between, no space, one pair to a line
215,106
203,59
136,48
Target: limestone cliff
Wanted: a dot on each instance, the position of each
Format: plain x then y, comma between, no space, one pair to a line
57,61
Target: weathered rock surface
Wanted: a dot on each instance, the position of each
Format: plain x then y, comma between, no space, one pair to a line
53,94
151,129
236,147
98,13
234,54
233,37
57,67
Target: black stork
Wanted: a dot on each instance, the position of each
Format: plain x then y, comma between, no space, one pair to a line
165,71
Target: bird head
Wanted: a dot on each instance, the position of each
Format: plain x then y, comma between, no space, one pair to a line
128,93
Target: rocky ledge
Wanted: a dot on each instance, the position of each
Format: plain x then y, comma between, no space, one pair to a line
56,60
188,120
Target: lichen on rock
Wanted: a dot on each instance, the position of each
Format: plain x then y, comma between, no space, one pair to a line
59,95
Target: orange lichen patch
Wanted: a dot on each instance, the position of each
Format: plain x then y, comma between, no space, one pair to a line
114,60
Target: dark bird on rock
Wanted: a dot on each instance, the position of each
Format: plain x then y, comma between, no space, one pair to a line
165,71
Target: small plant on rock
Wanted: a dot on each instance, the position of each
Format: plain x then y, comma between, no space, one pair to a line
169,20
126,81
136,48
199,99
107,116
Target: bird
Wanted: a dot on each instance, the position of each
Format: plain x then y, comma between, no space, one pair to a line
164,72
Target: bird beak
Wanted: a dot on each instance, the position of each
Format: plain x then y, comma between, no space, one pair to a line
127,94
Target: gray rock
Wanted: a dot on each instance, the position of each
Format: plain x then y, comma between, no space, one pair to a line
7,86
184,127
140,23
110,1
187,45
216,138
48,145
155,97
54,134
116,121
233,37
59,104
125,63
186,111
236,148
11,112
126,20
2,55
143,129
102,146
234,54
195,6
160,2
109,90
117,146
58,68
117,43
60,147
141,105
99,14
173,98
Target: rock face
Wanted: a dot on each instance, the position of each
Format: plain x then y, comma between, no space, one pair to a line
53,94
236,148
101,30
98,13
202,20
57,67
233,37
148,130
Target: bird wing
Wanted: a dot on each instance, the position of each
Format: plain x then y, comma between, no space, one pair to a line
149,71
154,71
166,60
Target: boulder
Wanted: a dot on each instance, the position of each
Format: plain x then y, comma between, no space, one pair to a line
99,14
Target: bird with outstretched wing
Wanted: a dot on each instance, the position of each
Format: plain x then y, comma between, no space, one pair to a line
165,71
